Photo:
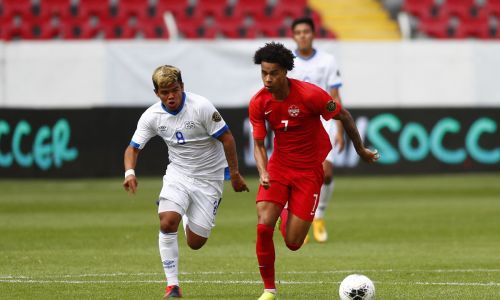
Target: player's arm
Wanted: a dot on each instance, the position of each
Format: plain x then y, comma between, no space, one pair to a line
339,136
129,161
350,128
260,155
229,145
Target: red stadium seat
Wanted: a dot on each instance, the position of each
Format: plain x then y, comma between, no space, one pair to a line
254,8
153,28
135,8
215,8
419,8
195,28
179,8
473,27
458,8
20,8
436,27
290,9
492,7
97,8
117,28
78,28
60,8
231,27
272,27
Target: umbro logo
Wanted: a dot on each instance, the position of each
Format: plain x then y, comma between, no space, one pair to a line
162,128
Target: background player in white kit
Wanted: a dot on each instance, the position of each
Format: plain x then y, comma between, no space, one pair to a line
200,147
319,68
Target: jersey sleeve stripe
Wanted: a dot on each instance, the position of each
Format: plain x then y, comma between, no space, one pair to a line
135,145
220,131
336,86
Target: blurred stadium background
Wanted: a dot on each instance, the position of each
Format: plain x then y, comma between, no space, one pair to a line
421,78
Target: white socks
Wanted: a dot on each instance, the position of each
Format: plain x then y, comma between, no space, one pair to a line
324,198
169,253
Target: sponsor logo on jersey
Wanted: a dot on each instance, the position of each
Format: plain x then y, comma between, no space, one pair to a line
331,106
189,124
216,117
293,110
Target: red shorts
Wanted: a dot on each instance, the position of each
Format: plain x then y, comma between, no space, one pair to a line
300,188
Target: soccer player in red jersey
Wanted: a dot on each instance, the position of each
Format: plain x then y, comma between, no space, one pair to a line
294,173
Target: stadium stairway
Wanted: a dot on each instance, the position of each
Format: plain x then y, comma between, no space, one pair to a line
356,19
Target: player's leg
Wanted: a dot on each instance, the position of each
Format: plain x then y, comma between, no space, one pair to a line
206,196
319,228
171,207
268,212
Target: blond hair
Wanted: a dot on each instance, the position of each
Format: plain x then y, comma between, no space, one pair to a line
165,75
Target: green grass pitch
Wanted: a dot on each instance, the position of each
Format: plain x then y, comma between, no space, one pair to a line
416,237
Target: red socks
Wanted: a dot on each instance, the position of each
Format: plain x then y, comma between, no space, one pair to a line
265,254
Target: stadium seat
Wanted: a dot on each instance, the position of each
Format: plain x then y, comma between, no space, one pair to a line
459,8
473,27
153,28
20,8
419,8
117,28
492,7
77,28
95,8
214,8
436,27
59,8
195,28
234,28
134,8
290,8
272,27
254,8
179,8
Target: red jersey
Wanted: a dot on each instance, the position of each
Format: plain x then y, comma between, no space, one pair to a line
300,139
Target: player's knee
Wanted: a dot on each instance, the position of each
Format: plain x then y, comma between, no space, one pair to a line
293,246
168,225
196,245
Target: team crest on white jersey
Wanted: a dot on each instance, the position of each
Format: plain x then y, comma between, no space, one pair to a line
293,110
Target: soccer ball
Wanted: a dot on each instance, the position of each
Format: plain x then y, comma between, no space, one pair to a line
356,287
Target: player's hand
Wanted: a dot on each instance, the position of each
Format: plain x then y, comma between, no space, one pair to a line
238,183
130,184
339,142
264,180
368,155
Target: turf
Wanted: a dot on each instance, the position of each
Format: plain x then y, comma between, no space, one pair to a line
416,237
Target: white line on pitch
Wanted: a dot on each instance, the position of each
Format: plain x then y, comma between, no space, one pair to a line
255,272
238,282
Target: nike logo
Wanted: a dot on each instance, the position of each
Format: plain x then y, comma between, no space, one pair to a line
268,112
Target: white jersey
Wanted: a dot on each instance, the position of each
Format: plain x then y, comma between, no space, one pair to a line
320,69
191,136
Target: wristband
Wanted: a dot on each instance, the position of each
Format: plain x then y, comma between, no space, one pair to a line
129,172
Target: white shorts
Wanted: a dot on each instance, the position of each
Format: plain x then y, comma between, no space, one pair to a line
331,130
198,199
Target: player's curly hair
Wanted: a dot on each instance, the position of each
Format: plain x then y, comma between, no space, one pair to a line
164,76
275,53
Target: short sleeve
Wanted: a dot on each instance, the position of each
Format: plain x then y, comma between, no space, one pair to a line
257,120
144,132
323,103
212,120
333,77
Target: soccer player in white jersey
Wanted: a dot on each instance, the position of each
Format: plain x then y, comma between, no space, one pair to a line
201,148
320,68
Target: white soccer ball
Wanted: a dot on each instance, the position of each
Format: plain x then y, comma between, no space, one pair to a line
356,287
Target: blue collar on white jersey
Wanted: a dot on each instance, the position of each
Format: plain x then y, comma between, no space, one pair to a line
175,112
296,52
